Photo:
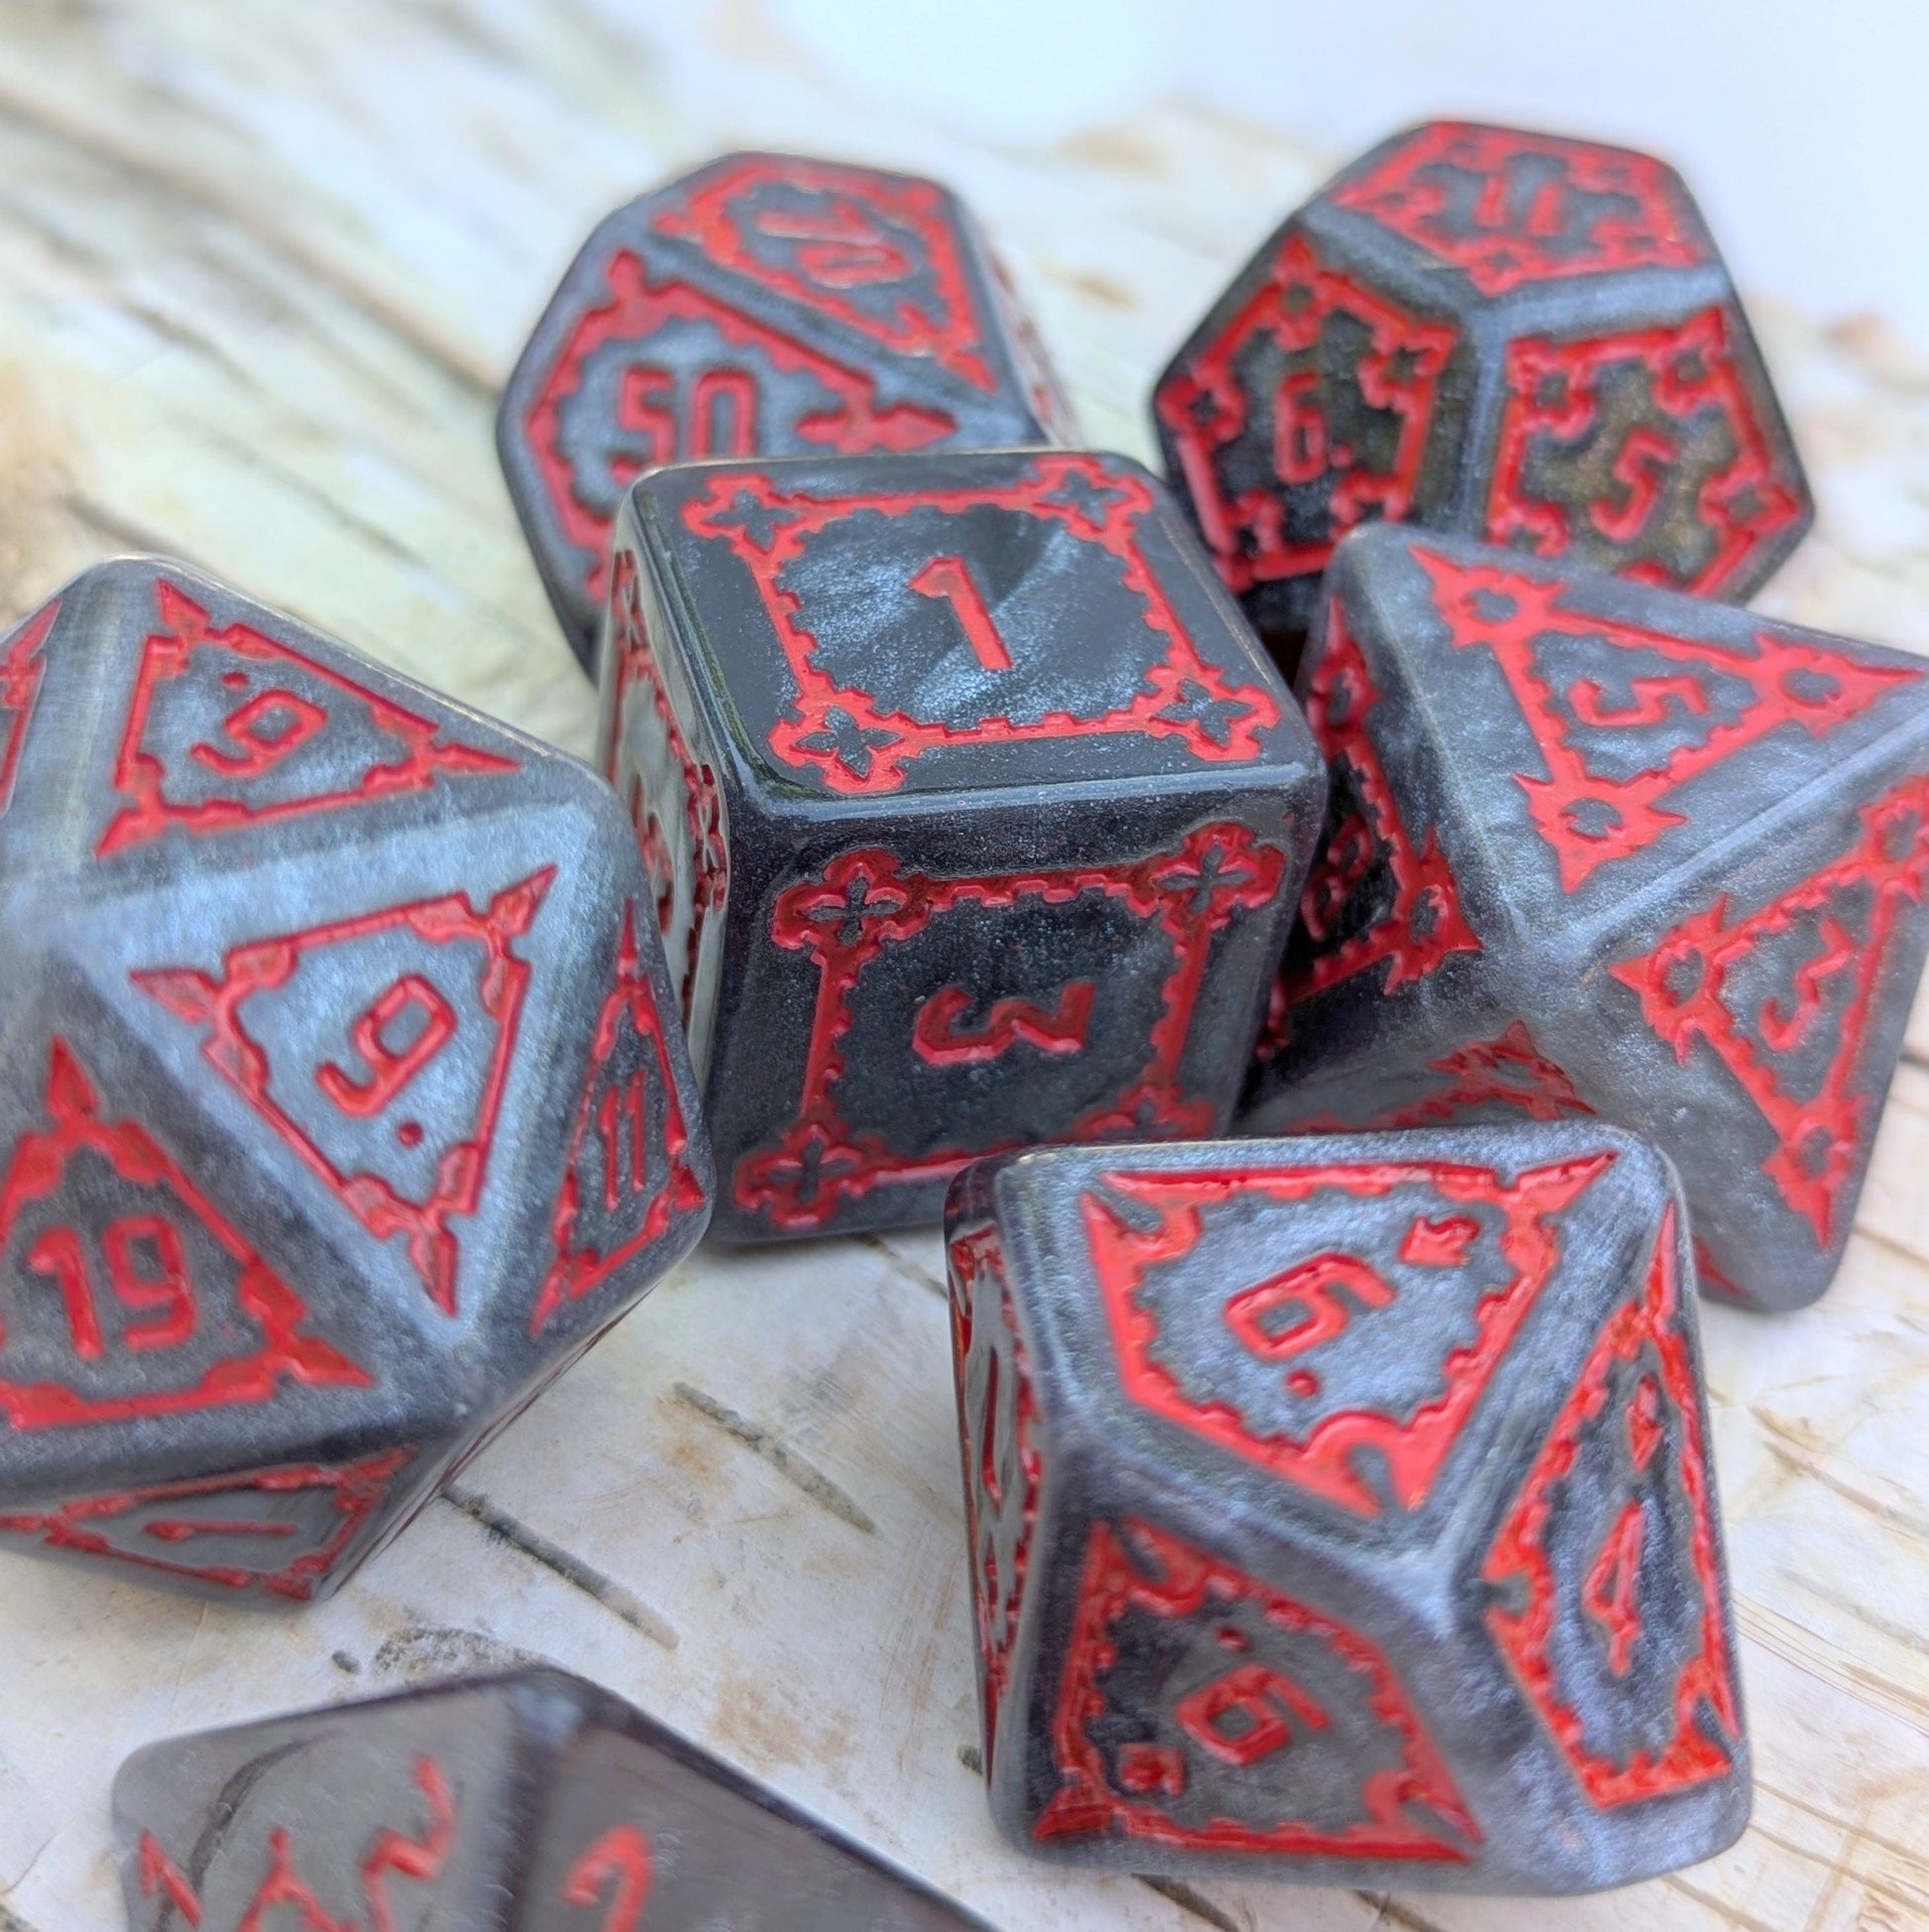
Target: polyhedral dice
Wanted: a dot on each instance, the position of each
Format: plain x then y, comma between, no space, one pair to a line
765,304
527,1803
1597,847
1502,334
975,815
343,1101
1339,1508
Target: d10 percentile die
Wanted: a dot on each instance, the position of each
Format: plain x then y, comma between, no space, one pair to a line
1596,847
527,1803
1339,1508
343,1101
1504,334
765,304
975,812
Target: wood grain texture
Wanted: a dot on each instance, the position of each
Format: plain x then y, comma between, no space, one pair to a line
262,267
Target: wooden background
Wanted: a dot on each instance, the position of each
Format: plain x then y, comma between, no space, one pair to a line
263,266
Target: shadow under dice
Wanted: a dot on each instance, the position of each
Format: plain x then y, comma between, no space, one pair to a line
1596,847
342,1098
974,815
1508,335
764,305
1340,1509
527,1803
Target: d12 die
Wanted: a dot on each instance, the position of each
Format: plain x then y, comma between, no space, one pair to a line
343,1099
1502,334
1339,1508
974,810
765,304
1597,847
527,1803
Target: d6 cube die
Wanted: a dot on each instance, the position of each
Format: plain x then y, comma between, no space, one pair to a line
975,811
765,304
343,1099
1601,848
1340,1510
533,1803
1498,333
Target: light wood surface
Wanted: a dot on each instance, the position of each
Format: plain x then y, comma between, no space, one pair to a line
262,269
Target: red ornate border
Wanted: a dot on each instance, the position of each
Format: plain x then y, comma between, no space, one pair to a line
1518,1560
359,1489
139,776
1291,306
1322,1463
1398,195
40,1160
1085,1804
1692,366
20,670
796,516
265,964
953,339
1192,892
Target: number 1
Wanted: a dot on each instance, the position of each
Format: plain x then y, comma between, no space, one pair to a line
949,579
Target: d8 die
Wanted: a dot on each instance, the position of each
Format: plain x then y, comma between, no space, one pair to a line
1339,1508
974,810
765,304
342,1096
527,1803
1597,847
1498,333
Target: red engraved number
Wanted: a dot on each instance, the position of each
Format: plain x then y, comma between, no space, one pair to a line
720,418
936,1036
951,579
1316,1286
621,1102
844,247
269,726
621,1856
1300,448
1610,1593
159,1874
1641,467
1261,1699
390,1068
167,1293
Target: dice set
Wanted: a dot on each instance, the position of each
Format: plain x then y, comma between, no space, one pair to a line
1338,1507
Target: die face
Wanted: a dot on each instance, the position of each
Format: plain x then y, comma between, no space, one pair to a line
1663,869
764,303
345,1098
1501,333
1377,1533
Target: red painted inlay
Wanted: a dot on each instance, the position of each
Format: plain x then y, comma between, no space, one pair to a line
863,903
1067,490
866,230
1206,409
1517,217
727,411
936,1036
1590,820
1124,1253
260,966
20,669
620,1861
38,1168
1520,1562
141,772
1554,396
620,1115
1170,1579
1684,986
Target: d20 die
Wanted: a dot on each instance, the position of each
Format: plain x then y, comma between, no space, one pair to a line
974,810
343,1099
765,304
1502,334
1340,1510
1599,847
533,1803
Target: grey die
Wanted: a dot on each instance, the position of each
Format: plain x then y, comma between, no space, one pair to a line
1508,335
1339,1508
533,1803
974,810
343,1099
763,304
1599,847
